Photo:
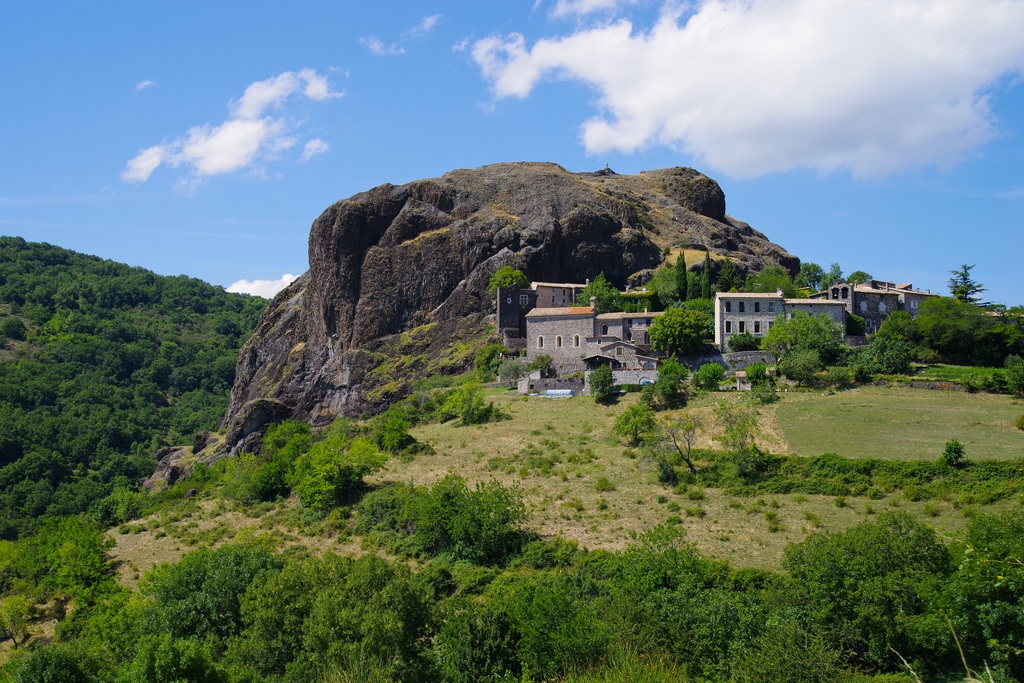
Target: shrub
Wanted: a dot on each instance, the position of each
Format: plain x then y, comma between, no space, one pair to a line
634,423
953,454
603,484
333,470
800,365
506,276
709,376
744,341
1019,423
1014,376
486,360
838,377
600,383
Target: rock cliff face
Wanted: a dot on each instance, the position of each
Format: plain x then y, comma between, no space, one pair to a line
398,276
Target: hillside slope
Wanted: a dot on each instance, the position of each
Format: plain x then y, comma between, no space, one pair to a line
403,271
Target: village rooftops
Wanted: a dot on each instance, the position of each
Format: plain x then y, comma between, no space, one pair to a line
552,312
878,286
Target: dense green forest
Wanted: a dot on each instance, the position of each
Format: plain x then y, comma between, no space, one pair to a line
100,365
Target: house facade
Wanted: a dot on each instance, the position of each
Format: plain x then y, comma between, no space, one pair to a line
578,339
514,302
756,312
875,300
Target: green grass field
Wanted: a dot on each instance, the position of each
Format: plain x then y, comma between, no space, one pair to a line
905,424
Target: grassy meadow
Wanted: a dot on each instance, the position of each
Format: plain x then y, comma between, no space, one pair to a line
584,483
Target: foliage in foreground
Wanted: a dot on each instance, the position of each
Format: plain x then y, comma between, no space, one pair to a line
658,611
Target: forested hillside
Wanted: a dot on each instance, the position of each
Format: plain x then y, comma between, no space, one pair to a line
100,365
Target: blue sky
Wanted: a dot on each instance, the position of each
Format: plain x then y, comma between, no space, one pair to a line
204,138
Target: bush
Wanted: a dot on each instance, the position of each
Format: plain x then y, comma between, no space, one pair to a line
333,470
1019,423
709,376
634,423
953,454
854,325
600,382
1014,376
800,365
487,359
744,341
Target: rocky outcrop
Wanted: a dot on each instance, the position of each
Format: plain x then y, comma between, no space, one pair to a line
398,276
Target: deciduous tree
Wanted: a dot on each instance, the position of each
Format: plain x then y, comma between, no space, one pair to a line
680,331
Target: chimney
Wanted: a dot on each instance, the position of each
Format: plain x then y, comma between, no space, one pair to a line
593,302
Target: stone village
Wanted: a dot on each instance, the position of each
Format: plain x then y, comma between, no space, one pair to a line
545,320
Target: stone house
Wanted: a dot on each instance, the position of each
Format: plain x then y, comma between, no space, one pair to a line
755,312
515,302
874,300
577,339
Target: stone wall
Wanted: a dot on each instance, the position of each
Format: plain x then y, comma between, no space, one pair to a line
530,385
739,360
634,376
564,338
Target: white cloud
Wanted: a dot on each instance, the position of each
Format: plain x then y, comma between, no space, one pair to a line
313,148
378,48
757,86
142,85
577,7
249,134
426,25
264,288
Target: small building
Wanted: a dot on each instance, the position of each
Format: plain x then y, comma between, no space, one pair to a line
756,312
875,300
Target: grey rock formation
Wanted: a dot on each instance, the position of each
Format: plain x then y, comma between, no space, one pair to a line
403,271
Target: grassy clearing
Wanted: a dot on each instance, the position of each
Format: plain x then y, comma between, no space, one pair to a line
581,482
903,424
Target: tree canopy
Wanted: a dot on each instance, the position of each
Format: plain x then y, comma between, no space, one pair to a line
680,331
108,363
506,276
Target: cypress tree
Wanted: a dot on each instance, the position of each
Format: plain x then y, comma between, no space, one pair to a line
705,277
681,276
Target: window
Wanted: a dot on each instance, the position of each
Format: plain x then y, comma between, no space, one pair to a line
845,292
757,307
523,300
604,329
743,307
881,307
757,327
618,350
728,307
576,340
769,324
863,306
540,342
558,342
913,304
742,327
728,327
835,294
771,306
552,299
